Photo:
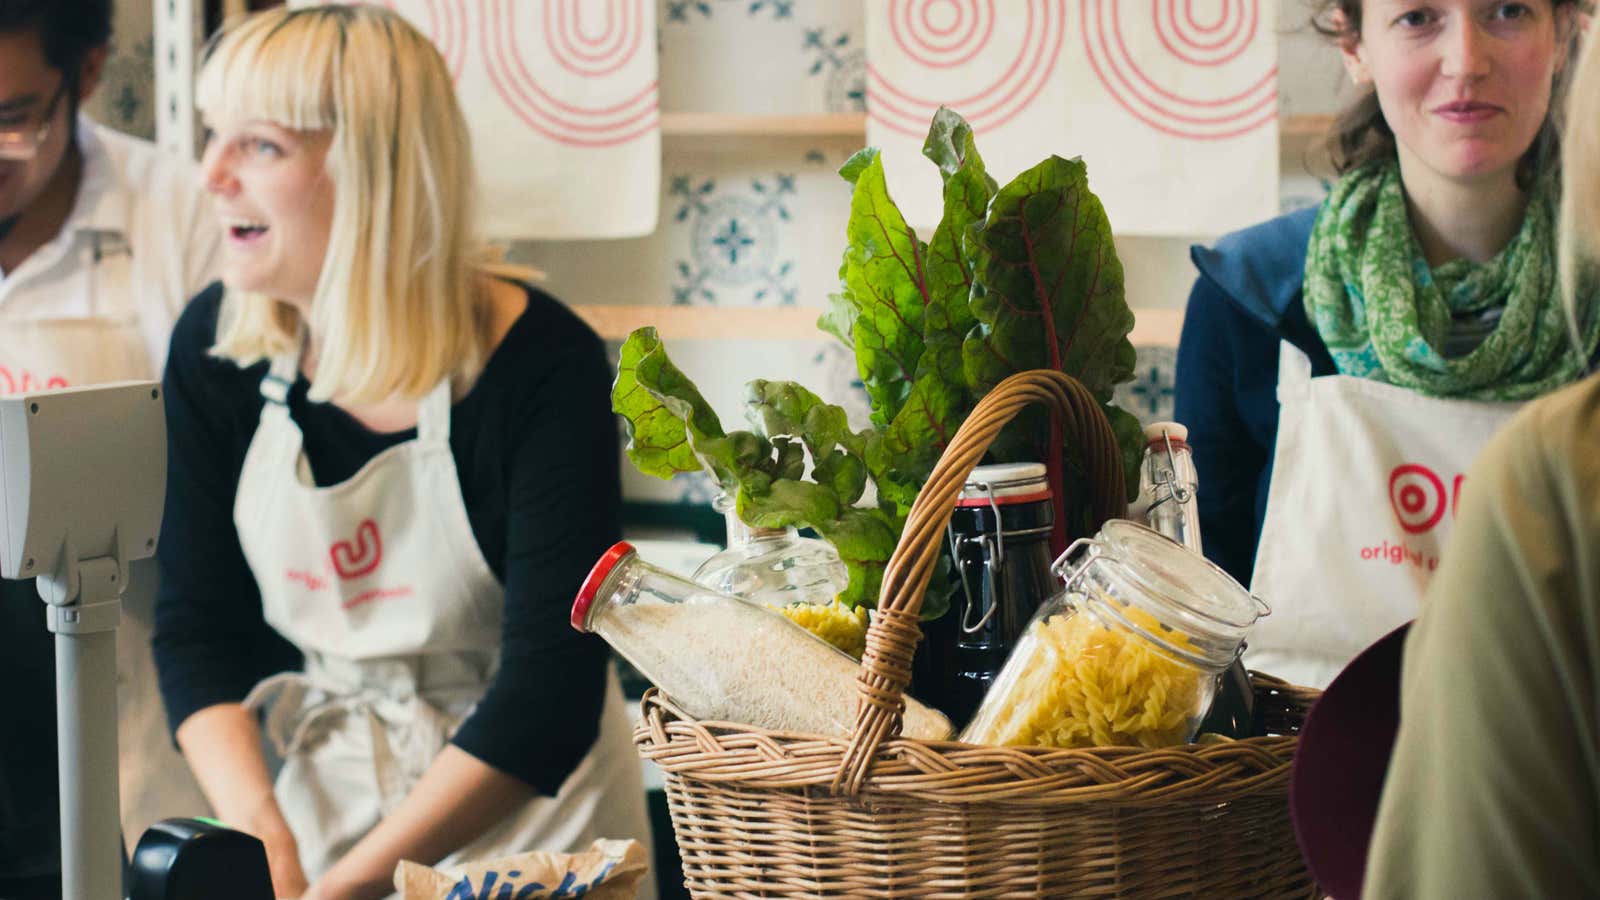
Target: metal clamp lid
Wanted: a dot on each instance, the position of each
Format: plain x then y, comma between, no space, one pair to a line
1024,475
1156,586
1175,489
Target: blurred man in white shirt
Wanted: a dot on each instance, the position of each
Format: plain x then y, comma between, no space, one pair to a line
102,241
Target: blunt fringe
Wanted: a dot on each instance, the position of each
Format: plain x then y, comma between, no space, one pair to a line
400,303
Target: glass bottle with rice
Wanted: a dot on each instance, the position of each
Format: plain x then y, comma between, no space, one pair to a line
724,658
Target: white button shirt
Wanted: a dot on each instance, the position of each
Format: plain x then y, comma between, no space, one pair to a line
97,303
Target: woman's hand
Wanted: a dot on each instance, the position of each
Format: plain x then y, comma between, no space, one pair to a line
325,890
458,799
287,878
333,886
223,746
283,852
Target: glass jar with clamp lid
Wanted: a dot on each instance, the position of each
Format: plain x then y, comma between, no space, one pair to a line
999,540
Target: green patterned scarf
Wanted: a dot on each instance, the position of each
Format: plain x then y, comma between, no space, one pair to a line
1385,314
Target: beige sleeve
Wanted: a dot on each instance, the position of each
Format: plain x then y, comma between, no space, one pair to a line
1492,791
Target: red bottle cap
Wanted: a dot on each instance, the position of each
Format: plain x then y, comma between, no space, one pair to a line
597,576
1003,484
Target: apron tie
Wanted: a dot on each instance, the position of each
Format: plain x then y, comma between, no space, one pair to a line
407,729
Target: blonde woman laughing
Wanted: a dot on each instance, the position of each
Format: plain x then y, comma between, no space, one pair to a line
391,467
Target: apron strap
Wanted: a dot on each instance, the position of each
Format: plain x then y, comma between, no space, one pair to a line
281,375
433,416
280,378
1294,370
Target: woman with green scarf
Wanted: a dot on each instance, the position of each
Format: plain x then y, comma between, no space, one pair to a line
1341,367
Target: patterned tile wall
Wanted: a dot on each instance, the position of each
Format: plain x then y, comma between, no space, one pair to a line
125,99
737,230
768,57
762,224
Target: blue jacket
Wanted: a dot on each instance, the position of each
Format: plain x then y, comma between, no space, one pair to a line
1246,300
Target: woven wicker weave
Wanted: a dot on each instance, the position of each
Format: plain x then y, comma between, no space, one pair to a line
772,815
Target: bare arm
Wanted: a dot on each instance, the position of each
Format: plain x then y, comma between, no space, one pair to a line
458,798
223,746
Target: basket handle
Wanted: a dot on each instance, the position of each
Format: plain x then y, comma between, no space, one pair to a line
893,635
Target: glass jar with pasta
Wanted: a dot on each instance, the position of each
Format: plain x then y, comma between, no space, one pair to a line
1127,655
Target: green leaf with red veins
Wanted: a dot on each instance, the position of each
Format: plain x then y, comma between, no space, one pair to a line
940,399
663,410
884,277
1048,289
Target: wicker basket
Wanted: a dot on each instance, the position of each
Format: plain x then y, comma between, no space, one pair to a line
768,814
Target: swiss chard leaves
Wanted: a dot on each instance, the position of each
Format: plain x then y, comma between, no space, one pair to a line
1013,278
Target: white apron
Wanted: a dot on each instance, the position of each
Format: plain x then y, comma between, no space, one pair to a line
104,343
381,583
1365,484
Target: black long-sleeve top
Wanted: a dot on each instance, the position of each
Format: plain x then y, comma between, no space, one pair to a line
535,448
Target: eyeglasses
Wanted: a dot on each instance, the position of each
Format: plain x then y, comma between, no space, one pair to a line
21,143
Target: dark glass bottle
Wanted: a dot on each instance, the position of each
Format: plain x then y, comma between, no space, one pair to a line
999,538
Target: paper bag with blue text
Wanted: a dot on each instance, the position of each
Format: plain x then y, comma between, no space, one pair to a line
608,870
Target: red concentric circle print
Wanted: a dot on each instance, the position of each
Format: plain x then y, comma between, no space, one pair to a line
592,41
938,40
1223,93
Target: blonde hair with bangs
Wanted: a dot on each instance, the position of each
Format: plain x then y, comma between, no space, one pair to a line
1580,203
399,304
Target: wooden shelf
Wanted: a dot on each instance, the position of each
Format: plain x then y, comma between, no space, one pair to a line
1300,138
1304,128
1302,143
788,323
701,124
755,323
719,125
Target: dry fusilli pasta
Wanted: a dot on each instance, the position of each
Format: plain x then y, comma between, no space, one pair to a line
834,622
1083,684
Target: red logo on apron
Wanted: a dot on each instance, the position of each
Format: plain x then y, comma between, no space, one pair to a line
356,561
26,381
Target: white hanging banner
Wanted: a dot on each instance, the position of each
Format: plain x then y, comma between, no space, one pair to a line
1171,103
1178,116
562,100
998,64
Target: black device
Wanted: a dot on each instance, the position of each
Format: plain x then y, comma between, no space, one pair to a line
198,859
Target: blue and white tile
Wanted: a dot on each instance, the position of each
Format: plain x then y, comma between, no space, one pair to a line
125,98
764,58
761,230
1302,191
1150,394
730,238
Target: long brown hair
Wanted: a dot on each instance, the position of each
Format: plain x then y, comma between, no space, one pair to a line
1361,134
1580,202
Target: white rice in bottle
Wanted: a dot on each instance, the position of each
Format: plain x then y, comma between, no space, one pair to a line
738,662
